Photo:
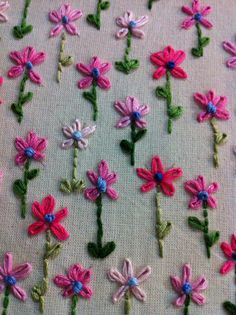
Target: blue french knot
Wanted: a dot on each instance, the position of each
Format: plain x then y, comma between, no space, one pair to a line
65,19
211,108
102,184
10,280
77,135
158,177
133,282
29,152
49,217
29,65
95,73
136,115
187,288
77,287
170,65
132,24
203,195
198,16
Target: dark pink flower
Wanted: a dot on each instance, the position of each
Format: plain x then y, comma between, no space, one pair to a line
201,193
31,148
25,61
213,106
197,15
9,276
230,48
102,182
75,282
230,253
94,73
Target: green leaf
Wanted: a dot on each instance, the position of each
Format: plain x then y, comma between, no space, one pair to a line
65,186
53,251
26,29
93,20
196,224
19,31
127,66
89,96
78,185
161,92
35,294
32,174
212,238
221,138
107,249
105,5
197,52
175,112
93,250
163,229
19,188
126,146
229,307
140,134
67,61
204,41
26,98
16,109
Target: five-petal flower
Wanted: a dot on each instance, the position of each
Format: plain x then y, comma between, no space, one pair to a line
129,23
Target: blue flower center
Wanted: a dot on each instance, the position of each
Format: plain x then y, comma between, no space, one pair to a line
101,184
132,24
234,255
197,16
187,288
170,65
65,19
77,135
29,152
133,282
136,116
77,287
211,109
49,217
95,73
10,280
203,195
29,65
158,177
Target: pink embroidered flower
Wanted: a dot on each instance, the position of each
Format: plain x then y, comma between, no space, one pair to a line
197,14
201,193
64,18
185,287
9,276
132,112
94,73
169,60
129,23
77,135
75,282
213,106
230,48
4,5
25,61
129,281
230,253
158,177
47,220
31,148
102,182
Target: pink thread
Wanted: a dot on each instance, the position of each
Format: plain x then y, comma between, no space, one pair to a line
1,178
230,48
18,272
230,253
4,6
129,23
197,14
1,83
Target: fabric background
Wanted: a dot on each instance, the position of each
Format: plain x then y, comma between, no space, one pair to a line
130,221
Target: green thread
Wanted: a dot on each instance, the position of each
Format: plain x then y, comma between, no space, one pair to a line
150,3
95,19
186,304
227,305
219,139
202,42
63,61
92,98
127,65
127,307
74,303
19,31
206,231
6,300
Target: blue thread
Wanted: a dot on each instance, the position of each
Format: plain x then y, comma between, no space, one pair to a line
136,116
49,217
65,19
133,282
29,152
158,177
77,287
10,280
77,135
187,288
170,65
211,109
234,255
198,17
102,184
132,24
203,195
29,65
95,73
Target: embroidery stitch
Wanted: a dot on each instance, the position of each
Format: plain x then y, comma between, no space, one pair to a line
25,62
214,108
19,31
168,62
129,27
197,17
48,222
188,290
230,48
102,182
31,148
129,282
77,137
1,83
94,76
150,3
95,19
202,197
75,284
4,6
132,113
158,178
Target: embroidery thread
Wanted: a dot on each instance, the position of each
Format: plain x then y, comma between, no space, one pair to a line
168,62
150,4
4,6
129,27
94,76
29,149
95,19
162,180
188,290
25,62
77,137
197,17
1,83
19,31
213,108
202,197
132,113
48,222
102,182
129,284
230,48
75,284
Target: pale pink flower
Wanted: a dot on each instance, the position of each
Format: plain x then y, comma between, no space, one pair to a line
129,23
4,5
230,48
64,18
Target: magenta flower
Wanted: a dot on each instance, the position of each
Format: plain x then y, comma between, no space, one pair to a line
4,6
187,289
9,277
230,48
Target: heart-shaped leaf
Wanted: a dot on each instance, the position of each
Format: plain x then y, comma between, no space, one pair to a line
196,224
19,188
175,112
32,174
67,61
105,5
204,41
107,249
221,138
229,307
17,109
197,52
93,20
53,251
93,250
26,29
26,98
139,135
65,186
161,92
78,185
212,238
126,146
127,66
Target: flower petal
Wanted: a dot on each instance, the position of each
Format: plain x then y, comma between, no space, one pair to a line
122,33
141,123
132,103
85,83
37,228
67,144
179,57
137,33
173,174
206,23
144,174
120,21
144,110
144,274
86,292
187,10
159,73
93,177
198,298
116,276
86,275
35,77
128,16
17,57
127,269
112,193
192,186
222,114
104,68
200,284
227,249
142,20
15,71
38,58
212,202
158,59
60,215
20,159
8,263
179,73
231,62
176,283
187,23
203,116
41,144
148,186
206,10
82,143
103,169
95,63
103,82
68,292
2,287
233,242
180,300
38,210
227,267
85,69
230,47
61,281
59,231
123,122
111,178
117,296
56,30
20,144
75,14
121,107
201,99
71,28
195,203
48,204
19,293
21,271
139,293
75,272
157,165
54,16
214,187
167,188
187,273
91,193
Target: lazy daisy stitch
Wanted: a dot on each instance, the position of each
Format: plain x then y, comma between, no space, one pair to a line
19,31
230,48
95,19
4,6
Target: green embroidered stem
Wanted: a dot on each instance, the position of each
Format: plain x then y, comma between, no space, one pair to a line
169,101
63,61
186,305
19,31
219,139
127,308
6,300
92,98
95,19
75,162
133,135
25,181
202,42
74,303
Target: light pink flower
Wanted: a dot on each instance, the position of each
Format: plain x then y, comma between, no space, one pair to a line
63,18
131,111
77,135
25,61
230,48
75,282
9,276
186,287
129,23
102,182
129,281
230,253
94,73
197,14
4,5
213,106
31,148
201,193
